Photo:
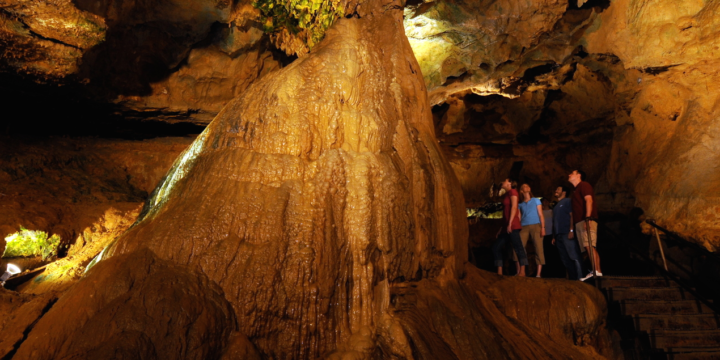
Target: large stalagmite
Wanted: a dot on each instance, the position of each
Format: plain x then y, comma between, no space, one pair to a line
311,192
316,217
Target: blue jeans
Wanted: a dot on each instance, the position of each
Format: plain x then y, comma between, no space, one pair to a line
570,255
499,247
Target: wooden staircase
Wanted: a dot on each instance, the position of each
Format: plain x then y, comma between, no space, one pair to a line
660,320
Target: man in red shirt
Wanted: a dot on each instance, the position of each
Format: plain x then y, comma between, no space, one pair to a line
584,208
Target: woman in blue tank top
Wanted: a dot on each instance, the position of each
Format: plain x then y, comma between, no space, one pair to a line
533,225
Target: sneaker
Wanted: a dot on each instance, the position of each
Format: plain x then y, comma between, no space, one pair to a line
591,275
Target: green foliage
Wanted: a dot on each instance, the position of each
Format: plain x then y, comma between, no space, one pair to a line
307,18
31,243
490,210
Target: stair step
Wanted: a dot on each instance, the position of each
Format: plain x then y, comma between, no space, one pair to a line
693,353
647,322
663,307
648,293
633,281
669,339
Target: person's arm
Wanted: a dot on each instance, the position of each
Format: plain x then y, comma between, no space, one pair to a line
588,206
513,212
542,220
572,226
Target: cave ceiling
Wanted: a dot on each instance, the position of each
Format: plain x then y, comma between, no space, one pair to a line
527,88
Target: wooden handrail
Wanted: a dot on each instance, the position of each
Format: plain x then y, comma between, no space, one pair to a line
665,273
682,240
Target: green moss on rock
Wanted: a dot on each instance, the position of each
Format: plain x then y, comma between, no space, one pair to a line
306,19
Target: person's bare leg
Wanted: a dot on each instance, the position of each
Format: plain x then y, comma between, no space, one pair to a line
521,272
539,270
596,256
517,267
499,270
597,260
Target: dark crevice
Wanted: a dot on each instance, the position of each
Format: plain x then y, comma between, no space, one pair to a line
657,69
60,104
438,112
499,66
54,41
515,88
534,134
455,79
598,5
497,150
580,52
27,331
420,6
472,99
568,77
609,58
531,73
515,170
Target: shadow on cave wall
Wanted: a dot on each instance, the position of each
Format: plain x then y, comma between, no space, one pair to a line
31,110
145,43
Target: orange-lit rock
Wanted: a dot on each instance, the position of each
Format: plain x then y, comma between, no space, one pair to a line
170,60
146,308
486,316
20,313
315,217
326,174
468,39
202,86
46,38
664,153
63,186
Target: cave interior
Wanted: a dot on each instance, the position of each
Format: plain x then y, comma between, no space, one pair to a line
305,179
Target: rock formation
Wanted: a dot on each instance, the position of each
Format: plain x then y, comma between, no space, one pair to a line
303,210
64,185
673,119
173,60
316,216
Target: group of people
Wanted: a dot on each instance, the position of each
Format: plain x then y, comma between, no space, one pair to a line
571,222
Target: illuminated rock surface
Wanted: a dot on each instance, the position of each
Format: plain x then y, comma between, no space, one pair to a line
318,216
673,133
47,38
88,191
63,186
315,217
173,60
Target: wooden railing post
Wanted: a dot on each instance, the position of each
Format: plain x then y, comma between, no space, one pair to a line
662,252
